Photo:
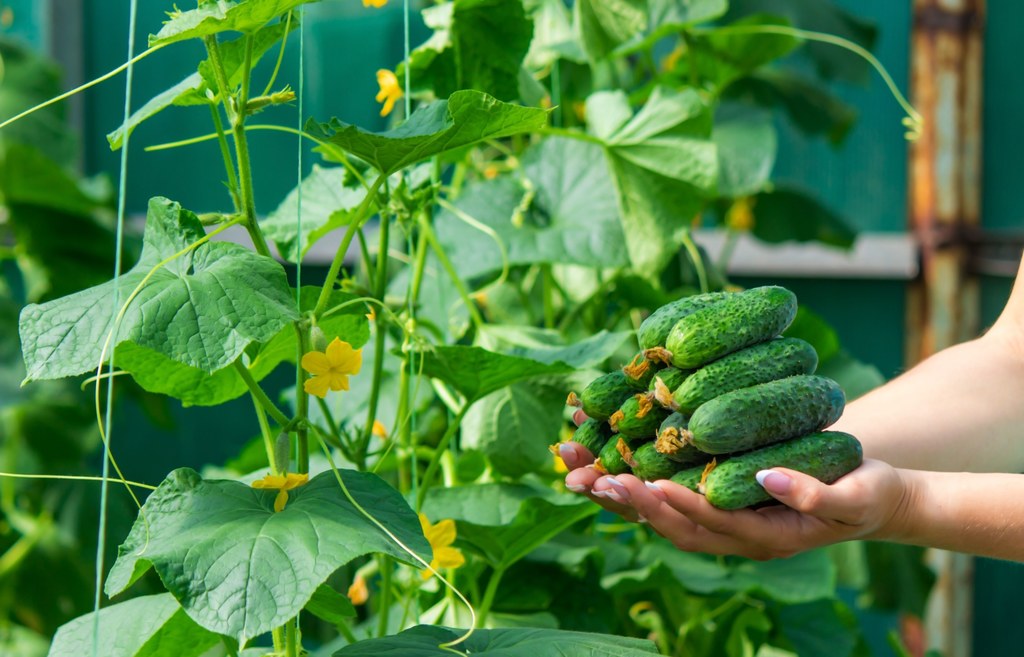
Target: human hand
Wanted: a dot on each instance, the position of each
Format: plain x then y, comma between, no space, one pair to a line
870,502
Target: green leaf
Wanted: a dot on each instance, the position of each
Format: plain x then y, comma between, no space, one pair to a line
747,631
664,166
553,36
747,145
157,373
721,56
812,107
213,17
327,203
477,44
425,641
505,522
240,569
29,177
572,219
476,372
329,605
514,426
856,377
606,24
466,118
782,215
154,106
548,346
824,628
812,327
150,626
201,309
806,577
668,17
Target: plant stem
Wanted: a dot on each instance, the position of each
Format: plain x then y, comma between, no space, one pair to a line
380,342
489,593
547,290
386,568
291,638
474,313
258,394
301,399
225,152
339,256
435,461
571,134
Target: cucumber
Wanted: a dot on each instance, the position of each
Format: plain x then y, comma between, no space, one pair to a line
739,320
612,458
603,395
638,417
671,378
648,464
592,434
771,412
691,477
640,372
655,329
671,444
827,455
761,363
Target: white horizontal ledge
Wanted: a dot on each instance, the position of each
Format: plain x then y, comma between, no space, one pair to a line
873,255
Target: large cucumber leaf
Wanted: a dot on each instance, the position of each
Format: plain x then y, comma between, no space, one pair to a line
477,44
465,118
788,214
604,25
475,372
156,372
663,164
240,569
505,522
149,626
747,145
425,641
201,309
215,16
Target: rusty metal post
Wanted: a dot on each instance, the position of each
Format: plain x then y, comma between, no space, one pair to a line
945,206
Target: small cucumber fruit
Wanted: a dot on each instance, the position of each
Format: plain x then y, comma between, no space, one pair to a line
761,363
692,476
771,412
649,464
655,329
638,417
604,395
671,377
592,434
612,458
739,320
671,444
827,455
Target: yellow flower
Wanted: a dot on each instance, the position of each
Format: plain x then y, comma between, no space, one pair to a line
331,368
374,3
441,536
379,430
389,92
282,483
740,216
358,593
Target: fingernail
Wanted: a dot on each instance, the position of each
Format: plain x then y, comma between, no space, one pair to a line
614,496
642,520
579,417
576,488
600,493
658,491
568,454
774,482
619,487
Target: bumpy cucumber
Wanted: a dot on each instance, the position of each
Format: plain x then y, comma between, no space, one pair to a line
670,441
612,458
671,377
761,363
690,477
638,417
655,329
649,464
593,434
739,320
604,395
827,456
771,412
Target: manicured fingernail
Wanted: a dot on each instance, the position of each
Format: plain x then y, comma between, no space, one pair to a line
619,487
774,482
658,491
568,454
576,488
599,493
614,496
642,520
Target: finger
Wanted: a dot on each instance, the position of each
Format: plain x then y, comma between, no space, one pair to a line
739,525
579,417
581,480
843,501
574,455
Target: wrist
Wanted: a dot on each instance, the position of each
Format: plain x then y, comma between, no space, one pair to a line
905,510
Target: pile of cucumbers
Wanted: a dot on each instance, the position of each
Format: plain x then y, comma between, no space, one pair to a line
715,395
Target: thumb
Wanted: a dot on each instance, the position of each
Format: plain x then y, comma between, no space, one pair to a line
805,493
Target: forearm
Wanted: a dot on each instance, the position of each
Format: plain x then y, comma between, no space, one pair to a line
965,512
958,410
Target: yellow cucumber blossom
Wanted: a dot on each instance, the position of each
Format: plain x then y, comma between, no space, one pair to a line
379,430
331,368
282,484
358,592
390,91
374,3
441,536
